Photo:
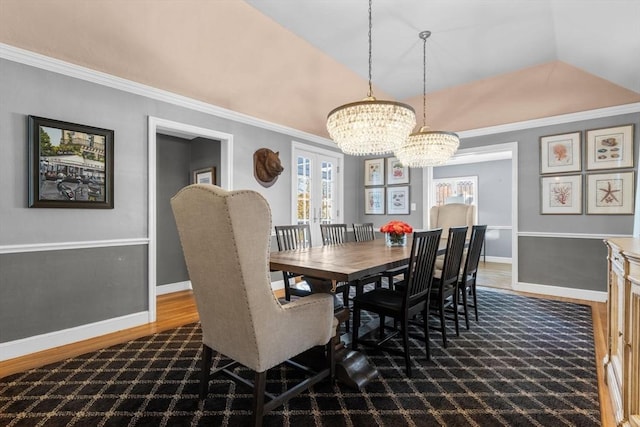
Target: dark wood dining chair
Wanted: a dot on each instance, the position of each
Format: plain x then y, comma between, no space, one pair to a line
467,283
445,282
402,304
291,237
333,234
364,232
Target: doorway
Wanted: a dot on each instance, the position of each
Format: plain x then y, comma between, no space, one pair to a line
181,130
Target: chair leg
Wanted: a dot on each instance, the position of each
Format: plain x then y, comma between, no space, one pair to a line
287,292
455,311
475,300
205,371
425,325
383,319
465,305
443,326
356,326
331,357
405,343
260,383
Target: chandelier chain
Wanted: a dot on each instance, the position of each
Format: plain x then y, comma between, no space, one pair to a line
370,25
424,82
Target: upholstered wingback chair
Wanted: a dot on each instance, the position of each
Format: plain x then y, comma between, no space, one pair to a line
452,215
225,237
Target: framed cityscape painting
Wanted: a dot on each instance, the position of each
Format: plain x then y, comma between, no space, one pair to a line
610,193
561,195
560,153
70,165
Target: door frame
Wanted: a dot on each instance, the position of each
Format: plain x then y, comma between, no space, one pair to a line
484,153
295,145
181,130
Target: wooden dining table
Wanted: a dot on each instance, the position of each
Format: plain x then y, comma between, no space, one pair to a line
348,262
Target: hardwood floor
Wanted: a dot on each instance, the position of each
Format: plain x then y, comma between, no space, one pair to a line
179,309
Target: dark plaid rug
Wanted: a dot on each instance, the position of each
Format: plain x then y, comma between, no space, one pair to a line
528,362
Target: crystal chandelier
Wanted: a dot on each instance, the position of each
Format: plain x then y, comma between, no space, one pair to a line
370,126
425,147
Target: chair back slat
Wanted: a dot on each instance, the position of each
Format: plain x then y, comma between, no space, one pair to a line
291,237
421,264
453,256
363,232
333,234
475,248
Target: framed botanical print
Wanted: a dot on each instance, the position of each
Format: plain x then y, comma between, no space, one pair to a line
374,201
560,153
398,200
610,148
374,172
561,195
610,193
396,172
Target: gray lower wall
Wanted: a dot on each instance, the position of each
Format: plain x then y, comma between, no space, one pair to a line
53,290
570,263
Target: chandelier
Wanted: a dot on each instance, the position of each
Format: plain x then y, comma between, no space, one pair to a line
426,147
370,126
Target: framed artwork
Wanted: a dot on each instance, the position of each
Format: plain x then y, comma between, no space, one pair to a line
610,148
610,193
374,201
561,195
396,172
374,172
70,165
398,200
204,176
560,153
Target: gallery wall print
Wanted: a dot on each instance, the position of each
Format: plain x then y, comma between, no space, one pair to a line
70,165
398,200
561,195
610,193
374,172
374,201
610,148
560,153
204,176
396,172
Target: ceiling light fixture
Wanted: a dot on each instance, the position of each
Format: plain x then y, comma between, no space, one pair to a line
370,126
425,147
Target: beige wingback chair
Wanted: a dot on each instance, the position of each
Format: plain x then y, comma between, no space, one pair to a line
225,237
452,215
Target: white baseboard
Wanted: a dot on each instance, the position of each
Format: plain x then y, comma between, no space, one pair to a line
173,287
557,291
497,259
279,284
24,346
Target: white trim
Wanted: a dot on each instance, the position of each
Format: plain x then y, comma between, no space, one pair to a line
173,287
21,347
571,235
37,60
60,246
557,291
498,259
167,127
553,120
499,227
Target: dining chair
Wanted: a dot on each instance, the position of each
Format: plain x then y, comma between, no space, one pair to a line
225,236
467,283
365,232
289,237
445,281
333,234
402,305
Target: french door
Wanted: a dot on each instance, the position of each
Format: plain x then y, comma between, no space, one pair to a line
317,188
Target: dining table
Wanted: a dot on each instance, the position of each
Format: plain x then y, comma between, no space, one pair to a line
352,262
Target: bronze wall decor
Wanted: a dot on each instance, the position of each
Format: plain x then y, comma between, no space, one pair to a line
266,166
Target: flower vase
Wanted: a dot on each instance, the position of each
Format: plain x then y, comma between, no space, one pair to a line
395,239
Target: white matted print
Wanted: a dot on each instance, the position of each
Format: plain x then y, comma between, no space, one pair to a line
610,148
374,172
374,201
610,193
396,172
398,200
561,195
560,153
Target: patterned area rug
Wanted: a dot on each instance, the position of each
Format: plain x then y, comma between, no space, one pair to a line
528,362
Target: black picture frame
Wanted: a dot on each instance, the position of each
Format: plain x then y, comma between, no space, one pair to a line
70,165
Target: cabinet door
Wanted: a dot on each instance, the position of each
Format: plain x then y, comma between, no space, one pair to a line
632,352
617,316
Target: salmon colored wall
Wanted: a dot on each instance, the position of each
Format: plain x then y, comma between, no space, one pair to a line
229,55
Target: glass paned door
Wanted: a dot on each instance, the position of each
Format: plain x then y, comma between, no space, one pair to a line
317,186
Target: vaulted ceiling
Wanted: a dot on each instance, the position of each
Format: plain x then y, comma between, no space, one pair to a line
291,61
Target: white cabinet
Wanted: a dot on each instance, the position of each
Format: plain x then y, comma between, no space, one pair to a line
622,363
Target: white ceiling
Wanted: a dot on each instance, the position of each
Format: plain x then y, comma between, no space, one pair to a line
471,39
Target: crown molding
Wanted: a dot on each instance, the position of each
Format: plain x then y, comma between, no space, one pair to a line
43,62
37,60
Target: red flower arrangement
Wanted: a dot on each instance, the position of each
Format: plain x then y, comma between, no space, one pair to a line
396,227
